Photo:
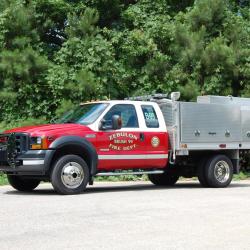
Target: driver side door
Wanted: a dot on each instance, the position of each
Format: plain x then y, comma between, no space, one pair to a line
124,148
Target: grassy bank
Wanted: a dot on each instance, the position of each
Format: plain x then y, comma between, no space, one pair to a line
240,176
3,180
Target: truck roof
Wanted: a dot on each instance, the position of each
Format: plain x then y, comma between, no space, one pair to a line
121,101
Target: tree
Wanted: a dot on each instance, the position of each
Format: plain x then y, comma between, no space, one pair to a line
54,54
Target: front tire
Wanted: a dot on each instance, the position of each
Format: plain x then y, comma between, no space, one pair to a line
22,184
163,179
219,171
70,175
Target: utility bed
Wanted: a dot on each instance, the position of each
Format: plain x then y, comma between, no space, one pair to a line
211,123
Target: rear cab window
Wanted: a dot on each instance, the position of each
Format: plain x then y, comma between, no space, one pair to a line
150,116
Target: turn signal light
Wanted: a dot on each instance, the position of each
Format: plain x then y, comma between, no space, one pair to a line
38,143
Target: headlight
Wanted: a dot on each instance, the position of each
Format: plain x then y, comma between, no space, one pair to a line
38,143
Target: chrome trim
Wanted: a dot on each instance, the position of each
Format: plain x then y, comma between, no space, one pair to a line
133,157
90,136
130,173
33,162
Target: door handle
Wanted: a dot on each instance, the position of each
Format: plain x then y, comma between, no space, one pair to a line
142,137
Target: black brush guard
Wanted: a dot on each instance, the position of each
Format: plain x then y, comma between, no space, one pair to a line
11,146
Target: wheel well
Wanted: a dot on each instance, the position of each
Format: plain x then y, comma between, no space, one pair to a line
233,155
195,157
72,149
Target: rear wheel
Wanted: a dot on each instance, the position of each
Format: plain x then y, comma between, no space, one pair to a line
201,173
23,184
218,171
163,179
70,175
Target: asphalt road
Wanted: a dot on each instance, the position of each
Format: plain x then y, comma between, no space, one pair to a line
131,215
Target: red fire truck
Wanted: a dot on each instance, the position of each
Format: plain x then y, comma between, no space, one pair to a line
163,138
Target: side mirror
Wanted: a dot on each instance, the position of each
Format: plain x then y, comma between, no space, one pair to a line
115,123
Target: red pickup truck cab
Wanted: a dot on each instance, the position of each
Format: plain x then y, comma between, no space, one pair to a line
97,138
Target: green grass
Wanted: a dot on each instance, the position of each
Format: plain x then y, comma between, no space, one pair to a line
240,176
122,178
3,180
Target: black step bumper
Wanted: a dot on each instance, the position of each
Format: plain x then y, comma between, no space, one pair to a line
32,162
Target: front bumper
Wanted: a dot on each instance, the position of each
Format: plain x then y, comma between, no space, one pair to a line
32,162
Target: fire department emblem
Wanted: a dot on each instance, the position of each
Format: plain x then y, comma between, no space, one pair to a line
155,141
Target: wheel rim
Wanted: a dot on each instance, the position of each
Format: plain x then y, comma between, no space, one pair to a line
222,171
72,175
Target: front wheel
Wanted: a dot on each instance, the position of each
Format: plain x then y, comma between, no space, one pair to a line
23,184
218,171
163,179
70,175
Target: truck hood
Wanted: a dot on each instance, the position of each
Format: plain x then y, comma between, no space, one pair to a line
52,129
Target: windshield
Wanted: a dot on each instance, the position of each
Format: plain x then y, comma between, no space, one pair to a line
83,114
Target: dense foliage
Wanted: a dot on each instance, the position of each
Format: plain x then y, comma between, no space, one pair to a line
55,53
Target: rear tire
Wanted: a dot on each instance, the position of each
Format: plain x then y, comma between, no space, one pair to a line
70,175
219,171
201,173
22,184
163,179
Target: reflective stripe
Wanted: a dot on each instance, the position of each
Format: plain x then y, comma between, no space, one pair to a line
132,157
33,162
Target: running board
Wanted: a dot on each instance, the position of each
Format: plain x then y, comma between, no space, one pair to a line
130,173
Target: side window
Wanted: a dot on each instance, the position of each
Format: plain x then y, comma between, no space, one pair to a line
127,113
150,116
